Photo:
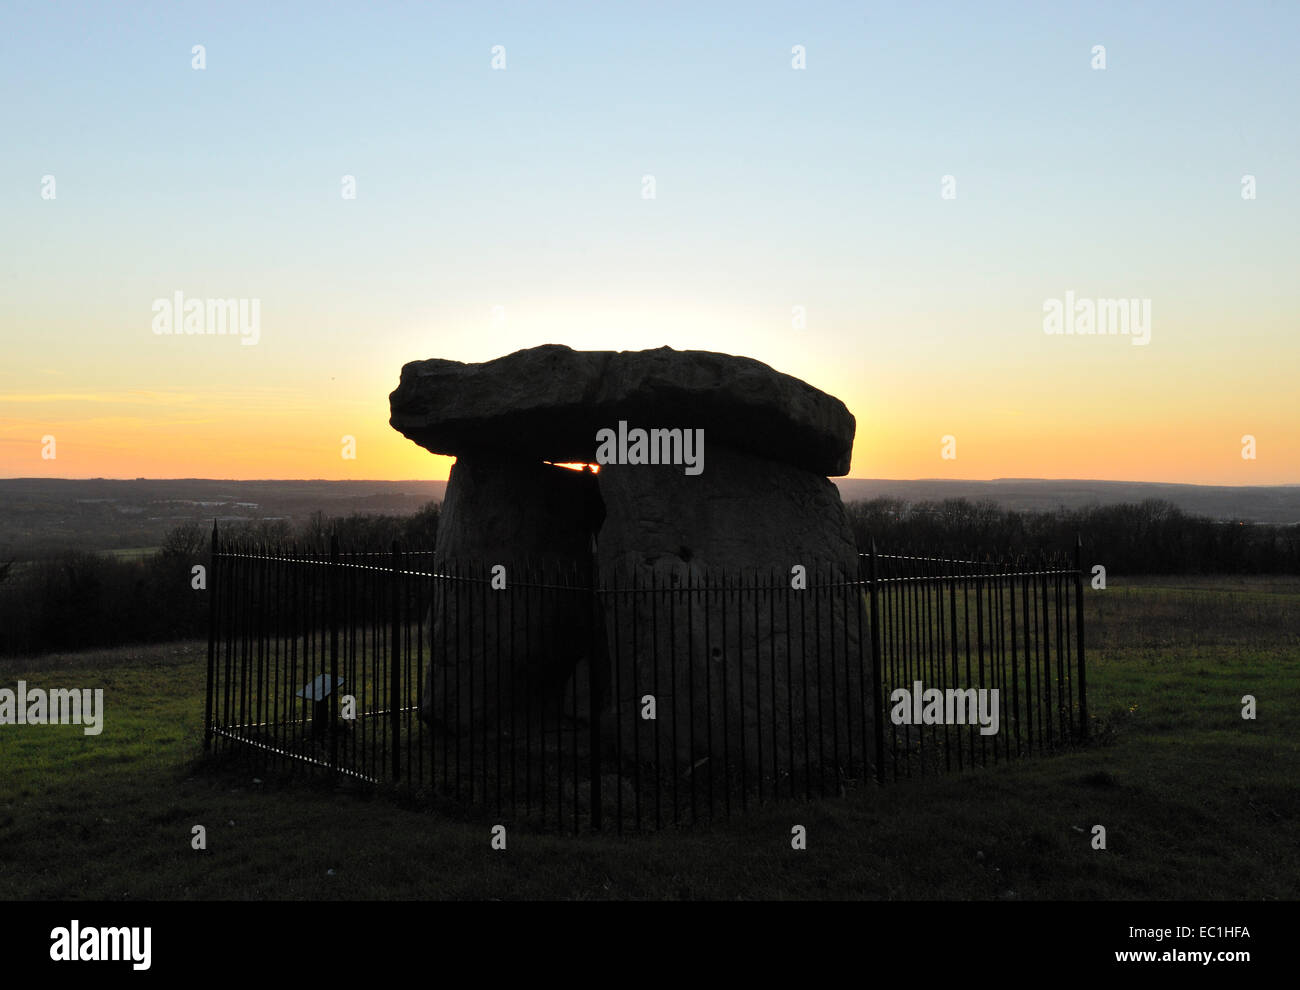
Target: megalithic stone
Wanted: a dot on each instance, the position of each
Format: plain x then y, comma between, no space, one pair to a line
784,664
548,403
520,644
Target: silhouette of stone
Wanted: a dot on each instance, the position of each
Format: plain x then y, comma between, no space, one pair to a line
534,521
784,663
547,403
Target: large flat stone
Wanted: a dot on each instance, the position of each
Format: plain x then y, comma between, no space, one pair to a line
549,402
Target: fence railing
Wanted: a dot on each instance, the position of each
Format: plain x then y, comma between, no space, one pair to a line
1014,627
574,698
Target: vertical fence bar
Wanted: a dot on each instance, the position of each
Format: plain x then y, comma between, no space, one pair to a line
1004,698
245,635
212,638
803,670
365,611
847,592
740,687
758,687
654,660
310,576
771,658
422,587
573,680
1078,608
635,661
278,688
1045,716
789,687
498,717
371,589
559,710
611,594
914,661
1066,600
900,633
529,694
889,661
491,716
981,582
673,672
821,710
594,683
691,762
1031,696
922,667
513,690
394,667
726,698
877,683
332,579
405,631
829,577
708,683
1062,658
936,569
1015,671
260,586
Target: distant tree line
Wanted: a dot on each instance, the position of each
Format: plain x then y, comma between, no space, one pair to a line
75,599
358,531
1151,537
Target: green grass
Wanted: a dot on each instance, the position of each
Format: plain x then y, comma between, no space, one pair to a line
132,553
1197,802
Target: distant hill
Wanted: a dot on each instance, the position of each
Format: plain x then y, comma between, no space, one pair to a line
1269,504
40,514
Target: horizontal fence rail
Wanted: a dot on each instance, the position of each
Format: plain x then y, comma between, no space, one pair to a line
648,697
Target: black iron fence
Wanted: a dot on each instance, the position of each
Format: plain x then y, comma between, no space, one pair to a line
989,653
642,697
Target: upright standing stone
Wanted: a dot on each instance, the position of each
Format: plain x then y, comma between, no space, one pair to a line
732,632
509,647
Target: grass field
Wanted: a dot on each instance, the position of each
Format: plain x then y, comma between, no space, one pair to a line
133,553
1196,801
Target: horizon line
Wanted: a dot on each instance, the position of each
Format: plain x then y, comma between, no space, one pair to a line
836,480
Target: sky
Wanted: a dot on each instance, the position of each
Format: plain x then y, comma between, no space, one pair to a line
889,222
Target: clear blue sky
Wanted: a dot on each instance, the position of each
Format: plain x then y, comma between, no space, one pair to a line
776,187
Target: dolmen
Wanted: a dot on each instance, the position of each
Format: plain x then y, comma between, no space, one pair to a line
707,478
